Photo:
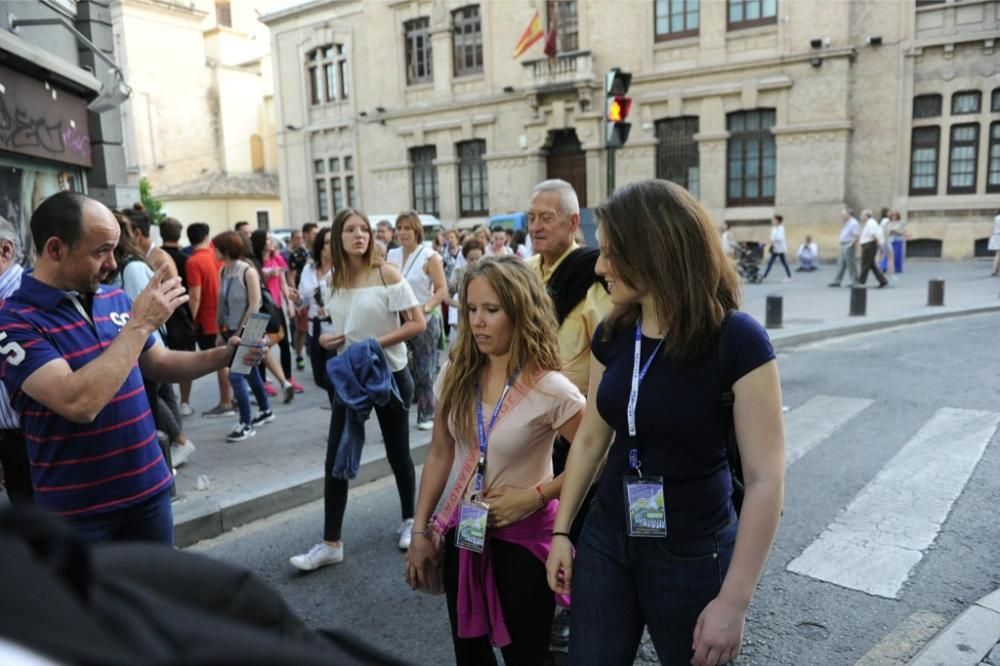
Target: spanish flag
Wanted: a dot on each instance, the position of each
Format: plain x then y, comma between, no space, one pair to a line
531,35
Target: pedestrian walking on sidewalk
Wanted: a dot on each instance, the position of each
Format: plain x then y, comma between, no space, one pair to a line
581,301
896,238
366,298
846,261
778,246
496,528
423,269
871,240
239,297
663,548
315,273
203,288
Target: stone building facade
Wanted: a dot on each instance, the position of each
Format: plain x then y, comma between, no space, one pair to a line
757,106
200,122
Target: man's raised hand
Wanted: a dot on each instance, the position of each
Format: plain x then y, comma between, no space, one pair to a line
154,304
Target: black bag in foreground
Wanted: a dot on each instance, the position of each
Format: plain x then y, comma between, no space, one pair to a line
136,603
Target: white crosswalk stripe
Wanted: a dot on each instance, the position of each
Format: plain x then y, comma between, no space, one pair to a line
874,544
811,423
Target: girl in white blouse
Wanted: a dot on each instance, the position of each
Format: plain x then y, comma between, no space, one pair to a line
366,299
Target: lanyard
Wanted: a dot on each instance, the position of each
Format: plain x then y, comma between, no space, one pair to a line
483,432
633,397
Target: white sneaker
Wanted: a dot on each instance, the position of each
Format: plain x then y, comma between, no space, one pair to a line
425,425
318,556
179,453
240,432
405,534
186,409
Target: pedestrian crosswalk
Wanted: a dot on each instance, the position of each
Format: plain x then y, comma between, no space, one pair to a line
817,419
879,537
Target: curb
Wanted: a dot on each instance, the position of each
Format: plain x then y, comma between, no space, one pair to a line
210,523
867,327
967,640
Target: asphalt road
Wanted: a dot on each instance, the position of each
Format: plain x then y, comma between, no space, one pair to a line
865,398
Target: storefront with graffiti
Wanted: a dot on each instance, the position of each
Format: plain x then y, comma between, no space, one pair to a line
44,145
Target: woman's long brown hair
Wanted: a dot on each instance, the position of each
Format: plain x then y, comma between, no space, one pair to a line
660,239
534,346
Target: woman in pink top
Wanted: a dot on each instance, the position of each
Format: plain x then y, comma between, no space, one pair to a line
501,403
273,271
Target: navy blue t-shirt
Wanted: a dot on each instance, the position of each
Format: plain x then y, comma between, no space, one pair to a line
679,426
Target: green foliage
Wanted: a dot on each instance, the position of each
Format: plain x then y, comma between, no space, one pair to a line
152,204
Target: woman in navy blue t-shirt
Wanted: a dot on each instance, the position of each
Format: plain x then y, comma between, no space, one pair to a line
662,547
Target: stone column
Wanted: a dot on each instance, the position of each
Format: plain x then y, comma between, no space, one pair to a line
107,179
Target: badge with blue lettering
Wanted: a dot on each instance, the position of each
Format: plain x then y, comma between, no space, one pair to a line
647,514
471,531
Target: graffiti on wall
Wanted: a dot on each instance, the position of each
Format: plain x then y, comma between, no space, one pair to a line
39,120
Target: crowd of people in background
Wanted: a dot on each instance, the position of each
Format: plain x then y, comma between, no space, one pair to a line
882,242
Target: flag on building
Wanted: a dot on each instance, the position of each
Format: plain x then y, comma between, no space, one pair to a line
550,42
532,34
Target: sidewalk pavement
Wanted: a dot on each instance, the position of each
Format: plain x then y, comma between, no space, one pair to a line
282,467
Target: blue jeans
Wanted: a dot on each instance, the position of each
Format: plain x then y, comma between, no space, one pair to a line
149,520
239,383
622,584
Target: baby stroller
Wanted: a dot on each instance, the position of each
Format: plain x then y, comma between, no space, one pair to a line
747,264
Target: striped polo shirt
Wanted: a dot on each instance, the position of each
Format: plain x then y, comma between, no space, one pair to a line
79,469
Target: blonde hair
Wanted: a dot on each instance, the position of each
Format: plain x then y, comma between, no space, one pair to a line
534,345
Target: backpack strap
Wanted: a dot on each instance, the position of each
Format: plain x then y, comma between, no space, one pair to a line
727,399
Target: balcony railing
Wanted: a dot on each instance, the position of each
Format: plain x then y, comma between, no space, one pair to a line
565,69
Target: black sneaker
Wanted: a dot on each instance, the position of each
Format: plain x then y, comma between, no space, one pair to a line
240,432
300,363
262,418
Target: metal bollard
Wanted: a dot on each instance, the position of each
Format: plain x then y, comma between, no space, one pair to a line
859,301
773,311
935,292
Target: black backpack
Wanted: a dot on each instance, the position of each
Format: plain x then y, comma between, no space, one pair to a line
729,426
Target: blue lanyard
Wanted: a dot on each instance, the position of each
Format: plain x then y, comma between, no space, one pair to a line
483,432
637,376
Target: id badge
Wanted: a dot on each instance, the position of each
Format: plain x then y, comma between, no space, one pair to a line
471,531
646,514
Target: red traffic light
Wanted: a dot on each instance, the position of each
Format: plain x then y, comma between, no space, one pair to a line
618,108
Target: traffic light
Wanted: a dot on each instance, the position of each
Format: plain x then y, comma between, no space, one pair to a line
616,106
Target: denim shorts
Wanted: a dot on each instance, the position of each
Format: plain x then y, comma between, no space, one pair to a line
623,584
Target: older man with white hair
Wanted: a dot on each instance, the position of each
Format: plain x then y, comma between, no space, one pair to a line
13,451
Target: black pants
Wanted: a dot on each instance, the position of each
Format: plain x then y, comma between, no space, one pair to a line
16,469
525,599
868,252
394,422
777,255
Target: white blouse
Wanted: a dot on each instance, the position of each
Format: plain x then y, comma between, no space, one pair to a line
308,284
369,312
415,270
